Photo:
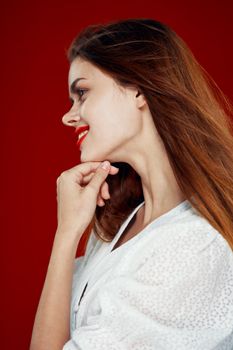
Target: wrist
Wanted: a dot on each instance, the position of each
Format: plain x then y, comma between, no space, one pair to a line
65,244
70,234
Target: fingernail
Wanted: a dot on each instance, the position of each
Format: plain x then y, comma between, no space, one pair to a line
105,165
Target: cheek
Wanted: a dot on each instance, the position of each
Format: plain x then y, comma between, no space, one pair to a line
99,112
110,118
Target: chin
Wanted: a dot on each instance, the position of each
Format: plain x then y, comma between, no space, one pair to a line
93,153
92,156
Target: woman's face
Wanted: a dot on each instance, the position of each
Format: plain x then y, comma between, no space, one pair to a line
112,113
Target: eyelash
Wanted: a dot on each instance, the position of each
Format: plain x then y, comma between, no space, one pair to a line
78,92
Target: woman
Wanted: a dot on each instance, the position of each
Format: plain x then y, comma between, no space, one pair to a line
158,267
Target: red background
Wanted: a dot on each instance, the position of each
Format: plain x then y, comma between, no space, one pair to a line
36,147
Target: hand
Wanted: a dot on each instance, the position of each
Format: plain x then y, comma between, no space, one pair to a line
79,190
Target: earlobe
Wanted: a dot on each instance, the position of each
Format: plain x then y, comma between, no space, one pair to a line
140,99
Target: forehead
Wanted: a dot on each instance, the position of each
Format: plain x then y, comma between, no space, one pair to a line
80,68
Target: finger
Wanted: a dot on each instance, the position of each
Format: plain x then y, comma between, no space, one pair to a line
86,179
100,201
82,170
113,170
104,190
104,186
98,178
87,167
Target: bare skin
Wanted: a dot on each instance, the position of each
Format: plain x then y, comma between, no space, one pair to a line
122,130
76,206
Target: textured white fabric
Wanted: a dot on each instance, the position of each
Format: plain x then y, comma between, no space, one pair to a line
168,288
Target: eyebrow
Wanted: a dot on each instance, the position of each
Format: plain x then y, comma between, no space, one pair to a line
72,86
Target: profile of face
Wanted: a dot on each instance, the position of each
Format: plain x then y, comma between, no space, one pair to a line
113,113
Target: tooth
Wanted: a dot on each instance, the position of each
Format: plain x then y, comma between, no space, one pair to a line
83,133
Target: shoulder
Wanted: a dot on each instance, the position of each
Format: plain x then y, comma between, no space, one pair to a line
190,233
187,249
186,243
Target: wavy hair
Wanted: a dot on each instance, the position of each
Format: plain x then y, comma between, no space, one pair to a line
190,112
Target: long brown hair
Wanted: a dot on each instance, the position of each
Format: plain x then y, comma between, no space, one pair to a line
190,112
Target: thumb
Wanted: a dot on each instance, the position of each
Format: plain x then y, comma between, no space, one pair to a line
99,177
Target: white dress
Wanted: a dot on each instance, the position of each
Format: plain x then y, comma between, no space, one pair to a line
170,287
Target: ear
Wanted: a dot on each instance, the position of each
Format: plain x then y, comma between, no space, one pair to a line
140,99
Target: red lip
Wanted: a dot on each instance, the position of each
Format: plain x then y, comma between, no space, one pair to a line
78,131
80,140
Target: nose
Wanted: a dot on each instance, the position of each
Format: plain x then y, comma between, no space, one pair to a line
71,118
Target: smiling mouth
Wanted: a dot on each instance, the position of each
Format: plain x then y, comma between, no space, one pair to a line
82,133
81,137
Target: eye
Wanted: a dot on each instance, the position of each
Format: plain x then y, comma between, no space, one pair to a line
80,92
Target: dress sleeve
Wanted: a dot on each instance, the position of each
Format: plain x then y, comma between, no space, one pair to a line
179,297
